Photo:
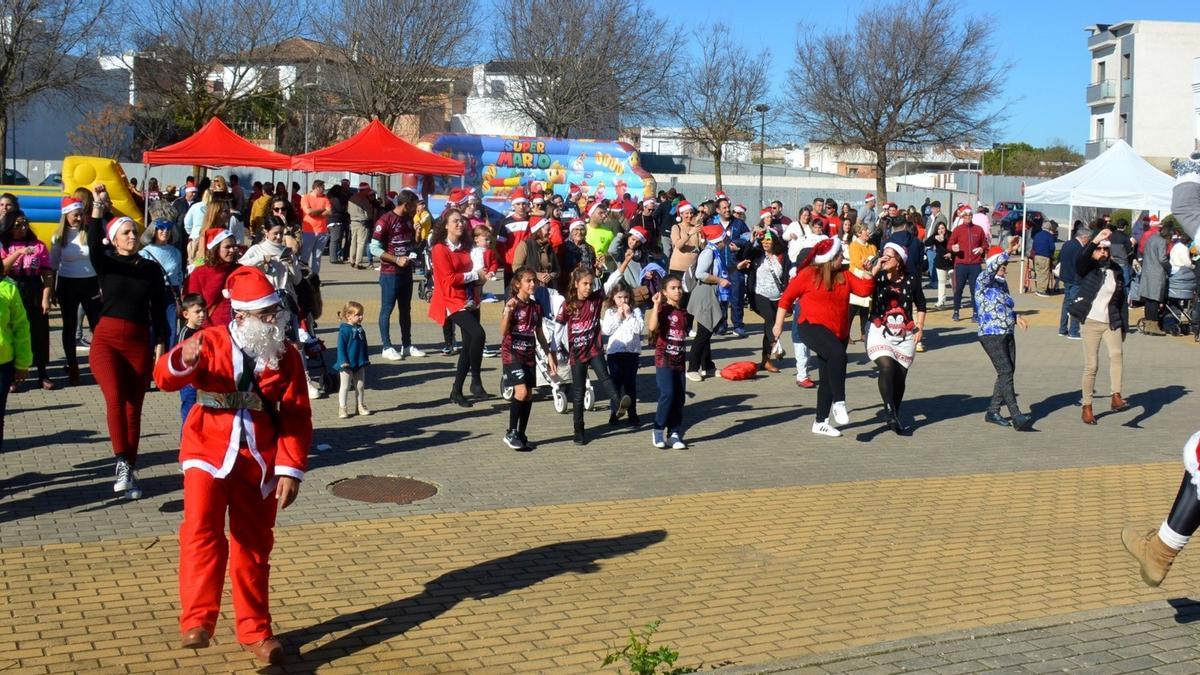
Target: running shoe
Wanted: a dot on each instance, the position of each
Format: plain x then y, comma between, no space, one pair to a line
411,351
124,480
513,440
676,441
840,416
391,354
656,437
825,429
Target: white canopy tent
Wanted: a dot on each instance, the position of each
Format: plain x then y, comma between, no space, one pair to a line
1119,177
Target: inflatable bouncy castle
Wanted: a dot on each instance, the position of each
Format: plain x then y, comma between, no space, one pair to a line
497,165
42,204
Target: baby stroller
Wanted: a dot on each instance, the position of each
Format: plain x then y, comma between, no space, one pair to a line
560,385
425,268
322,381
1180,307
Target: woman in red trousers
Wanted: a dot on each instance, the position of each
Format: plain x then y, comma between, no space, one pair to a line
121,357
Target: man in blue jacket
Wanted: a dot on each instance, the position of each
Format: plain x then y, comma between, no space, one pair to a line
1043,252
738,236
1068,326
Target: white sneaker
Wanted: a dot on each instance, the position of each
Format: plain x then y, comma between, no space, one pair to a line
391,354
825,429
656,437
676,440
840,416
412,351
124,476
489,353
695,376
342,414
134,492
362,410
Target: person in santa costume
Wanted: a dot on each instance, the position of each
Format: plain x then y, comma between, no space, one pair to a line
1155,549
244,451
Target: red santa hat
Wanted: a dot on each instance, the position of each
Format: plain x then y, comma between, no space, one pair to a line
649,201
70,204
114,225
574,191
1153,218
900,252
824,251
683,207
536,224
594,206
870,197
720,195
713,233
577,223
766,213
215,236
455,195
638,232
189,188
518,197
539,200
739,208
248,289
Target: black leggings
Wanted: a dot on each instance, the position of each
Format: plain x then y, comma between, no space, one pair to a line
579,385
471,356
892,380
767,309
700,357
73,293
1185,512
30,289
623,367
863,314
831,362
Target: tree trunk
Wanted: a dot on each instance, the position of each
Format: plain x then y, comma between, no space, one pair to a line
880,174
716,153
4,140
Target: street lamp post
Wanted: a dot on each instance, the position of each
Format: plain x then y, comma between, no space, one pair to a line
307,87
761,109
1000,147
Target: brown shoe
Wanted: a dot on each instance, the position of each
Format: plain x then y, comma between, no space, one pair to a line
267,651
1118,403
770,367
196,638
1152,554
1088,417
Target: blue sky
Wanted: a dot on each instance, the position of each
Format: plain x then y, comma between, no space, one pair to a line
1044,40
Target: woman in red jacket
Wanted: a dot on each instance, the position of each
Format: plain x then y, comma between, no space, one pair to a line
824,324
220,259
453,276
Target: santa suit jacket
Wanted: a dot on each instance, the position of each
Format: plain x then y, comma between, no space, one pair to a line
213,437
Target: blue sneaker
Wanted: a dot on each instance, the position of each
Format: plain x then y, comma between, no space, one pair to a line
657,438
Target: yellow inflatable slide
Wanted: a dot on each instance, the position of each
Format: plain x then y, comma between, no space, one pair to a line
41,204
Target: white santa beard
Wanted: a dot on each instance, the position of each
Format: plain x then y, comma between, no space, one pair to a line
263,341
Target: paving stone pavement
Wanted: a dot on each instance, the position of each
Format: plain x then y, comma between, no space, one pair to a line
726,508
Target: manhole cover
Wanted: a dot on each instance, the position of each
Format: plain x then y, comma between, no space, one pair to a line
383,489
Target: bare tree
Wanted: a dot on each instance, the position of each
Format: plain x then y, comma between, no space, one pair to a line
600,63
104,132
913,73
396,57
197,60
44,48
716,95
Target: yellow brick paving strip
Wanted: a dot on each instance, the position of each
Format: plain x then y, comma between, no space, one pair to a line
745,577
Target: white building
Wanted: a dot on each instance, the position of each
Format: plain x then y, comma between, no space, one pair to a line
671,141
485,111
1141,75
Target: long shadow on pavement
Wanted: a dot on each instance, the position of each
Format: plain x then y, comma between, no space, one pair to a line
1151,402
1187,610
488,579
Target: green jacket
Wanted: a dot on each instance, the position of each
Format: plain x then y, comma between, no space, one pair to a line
14,327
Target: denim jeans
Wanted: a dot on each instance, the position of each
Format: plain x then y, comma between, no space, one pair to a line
964,276
737,298
1070,290
931,267
395,290
670,399
311,248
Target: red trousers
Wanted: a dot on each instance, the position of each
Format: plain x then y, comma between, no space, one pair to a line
204,550
122,361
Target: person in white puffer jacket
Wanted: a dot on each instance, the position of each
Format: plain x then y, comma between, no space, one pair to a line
622,322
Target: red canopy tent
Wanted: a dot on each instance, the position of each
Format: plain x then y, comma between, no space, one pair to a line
376,149
216,145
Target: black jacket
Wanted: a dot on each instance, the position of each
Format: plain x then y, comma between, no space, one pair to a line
1090,278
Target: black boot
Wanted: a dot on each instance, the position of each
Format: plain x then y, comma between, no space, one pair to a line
457,398
633,419
579,438
1022,422
900,427
477,389
997,419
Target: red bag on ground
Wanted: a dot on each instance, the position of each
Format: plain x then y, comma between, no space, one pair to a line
741,370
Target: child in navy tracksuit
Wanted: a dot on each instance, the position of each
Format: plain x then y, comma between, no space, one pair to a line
351,363
622,323
667,325
194,313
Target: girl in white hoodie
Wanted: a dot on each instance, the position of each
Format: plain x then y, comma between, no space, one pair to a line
622,322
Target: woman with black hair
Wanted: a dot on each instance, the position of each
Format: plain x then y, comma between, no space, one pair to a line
27,262
894,331
453,274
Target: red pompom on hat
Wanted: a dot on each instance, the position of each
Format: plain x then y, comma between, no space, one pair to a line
248,289
215,236
713,233
70,204
638,232
518,197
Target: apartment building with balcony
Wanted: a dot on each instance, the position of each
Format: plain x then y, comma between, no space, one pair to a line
1144,88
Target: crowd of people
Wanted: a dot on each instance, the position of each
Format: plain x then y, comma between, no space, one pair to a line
218,296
